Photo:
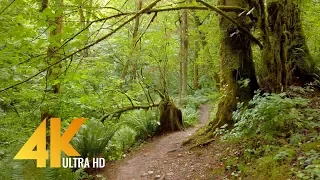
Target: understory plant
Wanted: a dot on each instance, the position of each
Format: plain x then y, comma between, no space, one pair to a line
269,115
275,135
93,137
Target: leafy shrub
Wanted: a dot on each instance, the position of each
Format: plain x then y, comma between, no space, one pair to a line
190,116
310,165
11,170
93,137
269,115
123,139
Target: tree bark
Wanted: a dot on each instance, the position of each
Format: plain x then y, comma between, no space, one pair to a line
196,67
170,117
184,54
196,53
286,56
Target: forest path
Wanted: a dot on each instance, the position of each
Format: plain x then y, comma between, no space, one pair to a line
165,158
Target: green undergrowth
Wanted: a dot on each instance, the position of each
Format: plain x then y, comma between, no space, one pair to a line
274,137
111,139
191,110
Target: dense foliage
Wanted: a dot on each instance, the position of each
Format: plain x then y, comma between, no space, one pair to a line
106,63
277,138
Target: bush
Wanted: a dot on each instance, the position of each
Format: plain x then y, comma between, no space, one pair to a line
269,115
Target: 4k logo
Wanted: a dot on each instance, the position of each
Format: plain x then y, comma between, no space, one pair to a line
58,143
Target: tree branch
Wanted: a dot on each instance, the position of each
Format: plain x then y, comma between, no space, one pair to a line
88,46
233,22
152,19
119,111
145,10
7,7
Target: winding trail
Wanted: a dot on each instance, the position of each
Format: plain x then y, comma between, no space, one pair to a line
165,158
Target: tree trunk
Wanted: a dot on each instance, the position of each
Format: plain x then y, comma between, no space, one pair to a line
196,67
237,67
180,63
237,70
196,53
53,55
286,56
170,117
184,53
135,48
84,21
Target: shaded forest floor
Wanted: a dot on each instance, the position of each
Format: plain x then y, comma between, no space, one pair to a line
165,158
292,153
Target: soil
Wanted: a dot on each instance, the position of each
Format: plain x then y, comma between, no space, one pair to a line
166,158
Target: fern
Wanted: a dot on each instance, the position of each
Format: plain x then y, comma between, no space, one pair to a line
144,123
10,169
190,116
92,138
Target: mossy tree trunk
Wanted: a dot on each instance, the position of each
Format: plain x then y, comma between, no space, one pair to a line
131,63
286,56
170,117
48,108
237,68
238,78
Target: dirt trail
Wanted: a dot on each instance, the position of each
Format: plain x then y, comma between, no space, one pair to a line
165,158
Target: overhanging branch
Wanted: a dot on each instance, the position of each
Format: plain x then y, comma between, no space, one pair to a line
233,22
88,46
146,10
120,111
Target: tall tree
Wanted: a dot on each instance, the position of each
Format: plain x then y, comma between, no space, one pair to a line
85,21
286,55
238,75
53,55
135,47
184,40
196,52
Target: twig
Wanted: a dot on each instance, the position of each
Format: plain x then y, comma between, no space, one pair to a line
152,19
86,47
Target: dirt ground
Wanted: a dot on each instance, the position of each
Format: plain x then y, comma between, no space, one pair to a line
166,158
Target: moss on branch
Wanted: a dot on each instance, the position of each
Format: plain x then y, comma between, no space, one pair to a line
120,111
219,11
